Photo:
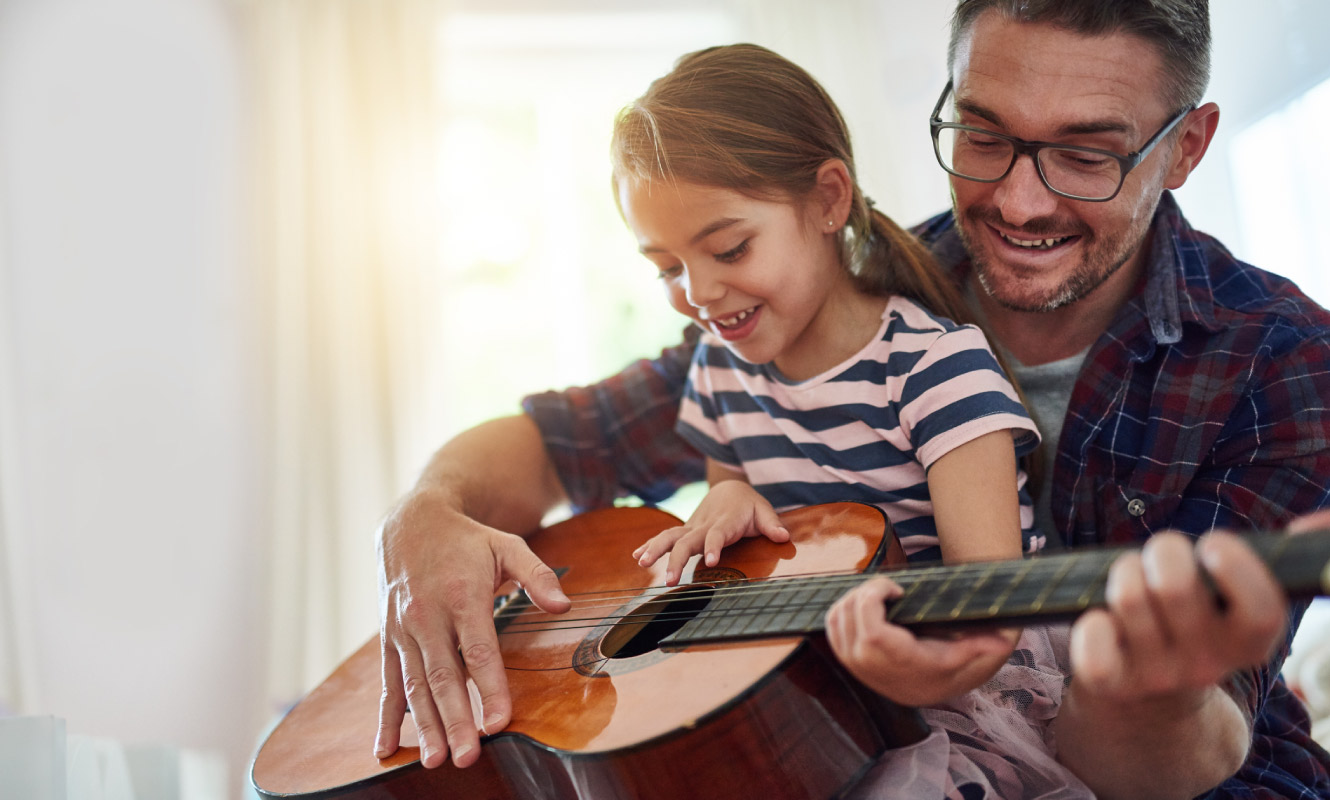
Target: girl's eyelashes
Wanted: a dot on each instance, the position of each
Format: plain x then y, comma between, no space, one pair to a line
733,255
728,257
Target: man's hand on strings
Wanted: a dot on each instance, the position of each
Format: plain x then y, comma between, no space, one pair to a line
1164,630
438,571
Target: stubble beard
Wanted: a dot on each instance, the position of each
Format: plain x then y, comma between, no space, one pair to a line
1103,257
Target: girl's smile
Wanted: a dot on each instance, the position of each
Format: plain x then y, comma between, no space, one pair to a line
762,275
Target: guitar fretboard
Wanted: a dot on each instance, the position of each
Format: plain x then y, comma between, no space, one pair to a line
1043,588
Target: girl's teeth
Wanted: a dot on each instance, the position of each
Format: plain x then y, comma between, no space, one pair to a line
736,319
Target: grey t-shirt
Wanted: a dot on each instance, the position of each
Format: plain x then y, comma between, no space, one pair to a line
1047,390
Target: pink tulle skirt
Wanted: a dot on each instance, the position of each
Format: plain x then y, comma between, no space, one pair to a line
993,742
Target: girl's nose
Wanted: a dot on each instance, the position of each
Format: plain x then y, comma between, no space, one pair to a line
701,287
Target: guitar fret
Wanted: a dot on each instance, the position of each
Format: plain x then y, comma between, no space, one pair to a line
739,613
959,609
812,616
790,604
921,613
1011,587
1094,590
1052,583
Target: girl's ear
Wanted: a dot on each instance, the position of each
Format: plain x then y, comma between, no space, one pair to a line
833,194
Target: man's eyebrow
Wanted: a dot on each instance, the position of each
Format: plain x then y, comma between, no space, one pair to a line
711,228
1070,129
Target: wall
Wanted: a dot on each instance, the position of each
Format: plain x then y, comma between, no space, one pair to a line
133,452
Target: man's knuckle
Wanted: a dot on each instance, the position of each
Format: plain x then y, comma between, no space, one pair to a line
479,654
443,678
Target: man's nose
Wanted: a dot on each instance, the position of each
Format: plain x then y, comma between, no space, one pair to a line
1022,195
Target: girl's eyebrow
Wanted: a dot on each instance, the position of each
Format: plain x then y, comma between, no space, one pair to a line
1070,129
718,225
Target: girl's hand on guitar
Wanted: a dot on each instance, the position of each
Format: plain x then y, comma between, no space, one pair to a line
907,669
438,572
731,510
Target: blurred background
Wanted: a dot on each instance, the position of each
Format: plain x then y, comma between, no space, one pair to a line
259,258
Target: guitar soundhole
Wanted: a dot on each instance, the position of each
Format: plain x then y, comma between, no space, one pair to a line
642,630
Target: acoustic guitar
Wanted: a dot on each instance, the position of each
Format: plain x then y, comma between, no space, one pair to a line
718,687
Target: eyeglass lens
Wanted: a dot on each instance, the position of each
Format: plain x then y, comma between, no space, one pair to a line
971,154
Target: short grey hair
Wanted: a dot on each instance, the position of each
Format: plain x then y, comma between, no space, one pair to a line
1178,29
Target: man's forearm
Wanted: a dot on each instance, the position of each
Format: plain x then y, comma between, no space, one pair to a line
1168,748
496,473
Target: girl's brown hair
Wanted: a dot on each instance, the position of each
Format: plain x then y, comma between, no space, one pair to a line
743,118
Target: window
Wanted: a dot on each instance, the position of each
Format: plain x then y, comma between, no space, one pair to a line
1280,174
543,285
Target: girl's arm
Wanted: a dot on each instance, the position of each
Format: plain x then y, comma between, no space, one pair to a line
731,510
975,502
977,510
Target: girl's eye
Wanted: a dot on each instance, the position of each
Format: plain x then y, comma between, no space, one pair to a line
668,273
731,256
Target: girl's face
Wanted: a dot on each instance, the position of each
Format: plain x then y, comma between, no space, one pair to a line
756,273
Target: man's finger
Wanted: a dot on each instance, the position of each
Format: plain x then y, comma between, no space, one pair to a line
392,703
516,561
424,713
1256,609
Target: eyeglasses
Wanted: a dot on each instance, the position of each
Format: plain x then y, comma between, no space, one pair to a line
1078,173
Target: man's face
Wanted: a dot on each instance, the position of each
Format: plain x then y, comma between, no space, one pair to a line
1033,250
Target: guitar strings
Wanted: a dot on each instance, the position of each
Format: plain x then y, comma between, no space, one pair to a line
615,598
937,578
655,603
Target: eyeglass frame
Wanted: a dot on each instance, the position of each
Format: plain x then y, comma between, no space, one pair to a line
1020,147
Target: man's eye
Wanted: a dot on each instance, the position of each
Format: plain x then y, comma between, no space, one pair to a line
733,255
979,140
1079,159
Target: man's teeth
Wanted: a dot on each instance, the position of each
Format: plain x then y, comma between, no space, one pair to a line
1038,244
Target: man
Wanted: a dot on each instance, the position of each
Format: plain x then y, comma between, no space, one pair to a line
1178,390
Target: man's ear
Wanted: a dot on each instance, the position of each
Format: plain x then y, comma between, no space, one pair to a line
1198,129
833,194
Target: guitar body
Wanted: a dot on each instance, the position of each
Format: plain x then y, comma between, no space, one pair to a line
602,711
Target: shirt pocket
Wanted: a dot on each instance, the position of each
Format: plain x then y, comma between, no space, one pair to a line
1125,515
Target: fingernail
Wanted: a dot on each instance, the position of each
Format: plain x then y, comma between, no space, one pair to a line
461,751
491,721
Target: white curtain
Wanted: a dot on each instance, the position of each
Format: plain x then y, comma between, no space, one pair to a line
344,109
17,676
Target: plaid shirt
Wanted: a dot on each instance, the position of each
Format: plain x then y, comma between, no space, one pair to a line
1202,406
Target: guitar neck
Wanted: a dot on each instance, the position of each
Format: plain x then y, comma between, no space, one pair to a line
1043,588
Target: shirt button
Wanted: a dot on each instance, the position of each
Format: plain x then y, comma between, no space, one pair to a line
1136,507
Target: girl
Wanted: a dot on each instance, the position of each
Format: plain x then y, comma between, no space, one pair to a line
830,368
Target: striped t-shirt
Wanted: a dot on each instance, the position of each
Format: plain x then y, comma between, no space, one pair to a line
865,430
